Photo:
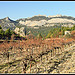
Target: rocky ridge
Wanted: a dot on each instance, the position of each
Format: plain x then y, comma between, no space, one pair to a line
38,20
20,31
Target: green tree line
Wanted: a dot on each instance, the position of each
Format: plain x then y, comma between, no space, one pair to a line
5,34
55,32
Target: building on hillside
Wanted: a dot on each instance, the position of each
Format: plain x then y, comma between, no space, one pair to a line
67,32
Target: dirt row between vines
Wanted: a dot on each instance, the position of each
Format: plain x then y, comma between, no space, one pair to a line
16,65
61,63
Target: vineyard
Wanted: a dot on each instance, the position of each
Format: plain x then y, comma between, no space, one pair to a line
21,56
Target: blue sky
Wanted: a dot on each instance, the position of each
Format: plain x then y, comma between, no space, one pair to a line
23,9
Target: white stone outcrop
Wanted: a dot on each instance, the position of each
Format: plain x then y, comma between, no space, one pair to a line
20,31
55,16
48,22
60,20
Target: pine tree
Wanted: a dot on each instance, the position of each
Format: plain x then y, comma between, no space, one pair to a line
0,27
8,33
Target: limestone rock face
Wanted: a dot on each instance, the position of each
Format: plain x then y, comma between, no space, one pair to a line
55,16
33,23
49,22
22,22
20,31
60,20
7,18
17,30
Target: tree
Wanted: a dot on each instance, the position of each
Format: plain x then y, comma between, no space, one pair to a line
73,28
0,27
12,32
1,33
8,33
49,35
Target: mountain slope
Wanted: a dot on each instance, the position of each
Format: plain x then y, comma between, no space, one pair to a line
8,23
47,21
38,20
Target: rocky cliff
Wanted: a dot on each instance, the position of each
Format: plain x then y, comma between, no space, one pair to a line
20,31
38,20
48,21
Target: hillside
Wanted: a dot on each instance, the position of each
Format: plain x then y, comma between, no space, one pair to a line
47,21
8,23
38,20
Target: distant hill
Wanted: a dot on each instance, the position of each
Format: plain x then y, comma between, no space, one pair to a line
40,20
37,20
42,17
8,23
